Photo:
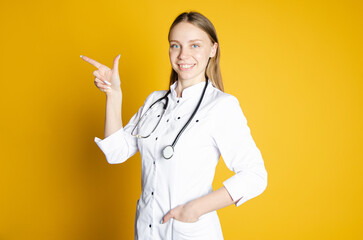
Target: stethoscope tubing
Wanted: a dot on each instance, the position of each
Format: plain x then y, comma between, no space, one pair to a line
191,117
168,151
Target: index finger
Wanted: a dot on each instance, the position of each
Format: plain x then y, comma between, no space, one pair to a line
91,61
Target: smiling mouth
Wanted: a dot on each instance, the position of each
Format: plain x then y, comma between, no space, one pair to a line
185,67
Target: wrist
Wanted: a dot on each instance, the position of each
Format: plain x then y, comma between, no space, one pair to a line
113,92
196,207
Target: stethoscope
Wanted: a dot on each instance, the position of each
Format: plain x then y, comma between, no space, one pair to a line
168,151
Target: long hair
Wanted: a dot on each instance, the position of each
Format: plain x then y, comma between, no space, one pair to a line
213,72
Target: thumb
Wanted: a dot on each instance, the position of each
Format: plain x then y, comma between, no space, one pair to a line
166,218
115,64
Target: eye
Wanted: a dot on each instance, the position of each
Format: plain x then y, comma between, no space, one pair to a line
195,46
174,46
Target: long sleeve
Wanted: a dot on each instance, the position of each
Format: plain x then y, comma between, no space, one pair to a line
121,145
239,151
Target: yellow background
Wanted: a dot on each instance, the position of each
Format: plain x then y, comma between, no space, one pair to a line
295,66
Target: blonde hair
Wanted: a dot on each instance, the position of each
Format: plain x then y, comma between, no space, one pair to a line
213,72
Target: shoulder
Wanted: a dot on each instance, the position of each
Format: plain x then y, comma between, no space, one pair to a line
226,108
223,100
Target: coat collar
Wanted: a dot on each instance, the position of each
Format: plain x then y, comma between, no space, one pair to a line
189,92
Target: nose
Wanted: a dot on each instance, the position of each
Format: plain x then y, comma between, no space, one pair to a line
183,53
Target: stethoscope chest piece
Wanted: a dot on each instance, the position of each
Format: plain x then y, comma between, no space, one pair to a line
168,152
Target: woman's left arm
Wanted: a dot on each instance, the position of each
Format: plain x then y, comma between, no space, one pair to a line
241,155
215,200
191,211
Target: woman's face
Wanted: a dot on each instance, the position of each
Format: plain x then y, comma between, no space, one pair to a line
189,52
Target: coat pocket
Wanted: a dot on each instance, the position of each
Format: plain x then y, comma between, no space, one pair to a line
193,230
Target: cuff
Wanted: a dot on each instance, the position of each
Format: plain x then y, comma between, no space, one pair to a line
233,187
113,142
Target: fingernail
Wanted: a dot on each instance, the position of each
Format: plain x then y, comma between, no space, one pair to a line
81,56
107,83
108,88
119,55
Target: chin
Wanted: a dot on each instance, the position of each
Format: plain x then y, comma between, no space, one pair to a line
185,78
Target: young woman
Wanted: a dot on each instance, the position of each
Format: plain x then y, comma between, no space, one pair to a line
181,134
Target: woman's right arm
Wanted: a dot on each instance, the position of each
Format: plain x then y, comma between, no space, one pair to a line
113,119
117,145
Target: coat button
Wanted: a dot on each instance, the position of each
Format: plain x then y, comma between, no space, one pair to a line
150,226
178,117
154,162
156,138
177,101
152,193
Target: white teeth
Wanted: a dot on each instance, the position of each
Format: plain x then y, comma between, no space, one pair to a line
186,66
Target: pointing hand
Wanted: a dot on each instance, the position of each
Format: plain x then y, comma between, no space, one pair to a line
106,79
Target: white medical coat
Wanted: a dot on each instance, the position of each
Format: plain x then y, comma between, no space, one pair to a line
218,128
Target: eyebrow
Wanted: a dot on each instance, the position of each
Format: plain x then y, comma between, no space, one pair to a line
194,40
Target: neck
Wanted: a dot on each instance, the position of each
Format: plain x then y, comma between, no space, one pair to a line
183,84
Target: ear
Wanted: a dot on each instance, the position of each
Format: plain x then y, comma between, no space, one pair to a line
214,50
